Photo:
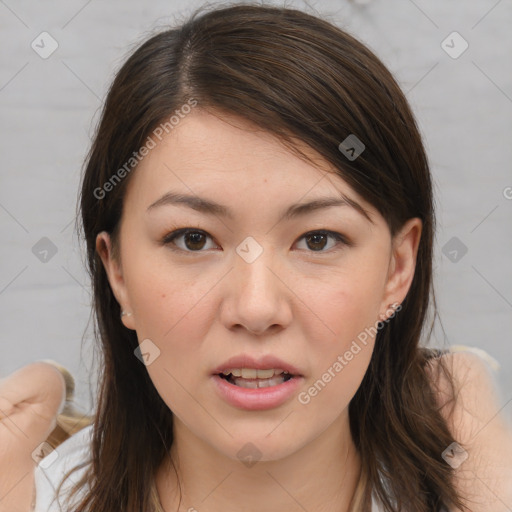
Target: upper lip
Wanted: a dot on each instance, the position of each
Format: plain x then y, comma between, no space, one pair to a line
259,363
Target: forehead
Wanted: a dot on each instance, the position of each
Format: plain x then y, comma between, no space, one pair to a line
211,141
228,158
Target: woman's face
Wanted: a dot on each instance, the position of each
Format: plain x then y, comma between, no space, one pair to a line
252,282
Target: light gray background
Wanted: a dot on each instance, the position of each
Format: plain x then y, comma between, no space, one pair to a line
50,106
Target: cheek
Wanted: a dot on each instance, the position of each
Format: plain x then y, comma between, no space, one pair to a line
341,332
340,350
173,309
167,301
345,303
330,391
175,316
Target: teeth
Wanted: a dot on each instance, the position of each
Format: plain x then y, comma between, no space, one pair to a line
252,373
255,384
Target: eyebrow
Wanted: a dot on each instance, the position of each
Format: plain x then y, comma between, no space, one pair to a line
210,207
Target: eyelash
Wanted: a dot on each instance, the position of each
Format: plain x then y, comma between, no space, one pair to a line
170,237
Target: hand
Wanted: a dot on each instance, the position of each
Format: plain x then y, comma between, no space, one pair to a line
30,399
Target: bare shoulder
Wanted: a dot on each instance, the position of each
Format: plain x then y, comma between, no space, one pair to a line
479,416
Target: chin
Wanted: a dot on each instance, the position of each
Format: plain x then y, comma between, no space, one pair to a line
255,447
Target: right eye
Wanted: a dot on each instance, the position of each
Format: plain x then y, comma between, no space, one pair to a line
192,240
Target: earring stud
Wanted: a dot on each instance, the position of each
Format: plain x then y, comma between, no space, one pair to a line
125,313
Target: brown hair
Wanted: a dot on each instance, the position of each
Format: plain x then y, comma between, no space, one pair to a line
296,76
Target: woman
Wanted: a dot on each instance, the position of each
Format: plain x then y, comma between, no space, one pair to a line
257,207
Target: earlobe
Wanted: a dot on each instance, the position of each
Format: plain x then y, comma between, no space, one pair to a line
403,261
115,277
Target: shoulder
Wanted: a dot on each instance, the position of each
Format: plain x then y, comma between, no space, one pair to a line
477,415
50,471
476,397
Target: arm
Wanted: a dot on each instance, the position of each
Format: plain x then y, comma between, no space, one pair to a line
30,399
480,424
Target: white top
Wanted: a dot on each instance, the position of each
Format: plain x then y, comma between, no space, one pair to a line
51,470
75,450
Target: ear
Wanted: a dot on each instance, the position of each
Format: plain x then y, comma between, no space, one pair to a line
115,276
404,249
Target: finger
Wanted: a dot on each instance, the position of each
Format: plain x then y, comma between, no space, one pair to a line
32,396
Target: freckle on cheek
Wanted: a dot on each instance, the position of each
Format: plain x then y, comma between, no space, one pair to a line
163,295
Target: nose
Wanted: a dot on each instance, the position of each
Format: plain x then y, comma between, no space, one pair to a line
256,296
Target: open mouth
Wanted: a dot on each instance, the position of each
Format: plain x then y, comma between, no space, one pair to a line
256,383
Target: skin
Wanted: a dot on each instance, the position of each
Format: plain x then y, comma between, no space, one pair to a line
304,305
482,424
30,399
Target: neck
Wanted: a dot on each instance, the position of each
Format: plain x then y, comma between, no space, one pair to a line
321,476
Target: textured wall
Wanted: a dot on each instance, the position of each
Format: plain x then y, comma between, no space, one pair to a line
463,103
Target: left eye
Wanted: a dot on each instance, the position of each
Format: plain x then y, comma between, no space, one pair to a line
194,239
317,238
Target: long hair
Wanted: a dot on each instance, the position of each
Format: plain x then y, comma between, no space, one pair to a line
299,77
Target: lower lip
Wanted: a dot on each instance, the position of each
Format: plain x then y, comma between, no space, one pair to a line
257,399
